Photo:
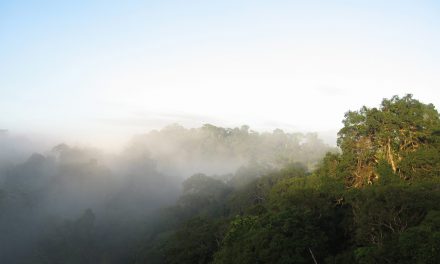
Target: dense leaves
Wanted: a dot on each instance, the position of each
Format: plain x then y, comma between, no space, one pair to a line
375,201
392,132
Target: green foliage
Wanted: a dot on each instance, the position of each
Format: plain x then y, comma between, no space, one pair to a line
230,147
202,185
202,195
381,212
291,216
195,242
421,244
239,227
283,237
385,173
329,165
70,242
402,132
424,163
375,201
295,225
247,174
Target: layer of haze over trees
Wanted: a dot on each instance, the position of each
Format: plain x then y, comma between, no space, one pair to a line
216,195
72,204
377,200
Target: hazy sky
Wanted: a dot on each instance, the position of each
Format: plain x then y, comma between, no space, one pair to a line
116,68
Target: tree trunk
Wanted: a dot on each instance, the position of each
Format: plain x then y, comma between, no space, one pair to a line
390,156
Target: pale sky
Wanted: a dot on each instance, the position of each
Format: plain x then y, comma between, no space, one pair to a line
97,72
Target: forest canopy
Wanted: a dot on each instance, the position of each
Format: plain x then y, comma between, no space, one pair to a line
233,195
46,197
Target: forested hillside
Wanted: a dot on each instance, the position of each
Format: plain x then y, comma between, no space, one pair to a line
377,201
219,132
253,197
79,205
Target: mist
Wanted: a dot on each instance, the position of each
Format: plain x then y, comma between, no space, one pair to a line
179,132
44,191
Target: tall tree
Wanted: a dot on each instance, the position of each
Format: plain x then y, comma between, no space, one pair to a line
399,127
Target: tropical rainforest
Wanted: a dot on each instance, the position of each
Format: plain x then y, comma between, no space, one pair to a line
232,195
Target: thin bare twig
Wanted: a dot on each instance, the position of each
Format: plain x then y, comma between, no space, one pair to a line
313,256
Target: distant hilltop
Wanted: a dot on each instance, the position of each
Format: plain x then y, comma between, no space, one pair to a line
3,131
